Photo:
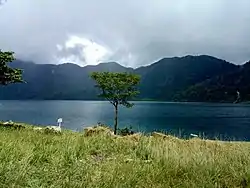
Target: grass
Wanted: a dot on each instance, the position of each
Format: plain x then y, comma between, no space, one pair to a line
31,158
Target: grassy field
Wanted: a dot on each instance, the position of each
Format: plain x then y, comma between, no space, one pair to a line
31,158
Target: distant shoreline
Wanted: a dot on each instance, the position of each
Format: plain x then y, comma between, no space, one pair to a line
161,101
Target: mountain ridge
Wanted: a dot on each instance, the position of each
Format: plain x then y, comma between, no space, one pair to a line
169,79
113,62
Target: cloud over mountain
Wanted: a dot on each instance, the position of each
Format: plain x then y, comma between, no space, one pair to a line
131,32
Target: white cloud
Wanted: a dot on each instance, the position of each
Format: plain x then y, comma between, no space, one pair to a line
82,51
59,47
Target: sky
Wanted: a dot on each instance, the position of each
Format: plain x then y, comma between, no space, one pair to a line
131,32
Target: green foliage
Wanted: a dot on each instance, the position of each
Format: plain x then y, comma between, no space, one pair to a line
8,75
126,131
117,88
222,88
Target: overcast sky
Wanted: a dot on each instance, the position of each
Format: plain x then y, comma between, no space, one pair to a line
131,32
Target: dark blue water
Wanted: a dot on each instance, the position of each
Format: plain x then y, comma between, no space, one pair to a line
223,121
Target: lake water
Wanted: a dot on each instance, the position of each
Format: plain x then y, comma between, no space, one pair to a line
224,121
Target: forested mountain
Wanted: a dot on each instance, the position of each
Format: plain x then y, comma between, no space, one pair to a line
169,76
222,88
47,81
189,78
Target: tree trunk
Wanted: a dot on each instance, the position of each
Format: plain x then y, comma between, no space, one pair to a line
116,117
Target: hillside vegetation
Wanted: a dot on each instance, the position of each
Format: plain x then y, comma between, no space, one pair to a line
97,159
222,87
190,78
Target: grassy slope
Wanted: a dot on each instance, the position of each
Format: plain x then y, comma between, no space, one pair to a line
32,159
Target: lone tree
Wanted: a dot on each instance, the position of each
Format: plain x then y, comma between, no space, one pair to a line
8,75
117,88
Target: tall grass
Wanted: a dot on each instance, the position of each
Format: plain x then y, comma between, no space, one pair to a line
33,159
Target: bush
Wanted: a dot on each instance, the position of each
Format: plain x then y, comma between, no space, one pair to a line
12,125
126,131
51,131
91,131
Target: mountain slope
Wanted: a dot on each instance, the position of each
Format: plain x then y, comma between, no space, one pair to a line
222,87
65,81
189,78
163,79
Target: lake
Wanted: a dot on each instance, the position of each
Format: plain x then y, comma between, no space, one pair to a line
223,121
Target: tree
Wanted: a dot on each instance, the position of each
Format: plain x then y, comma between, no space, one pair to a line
117,88
8,75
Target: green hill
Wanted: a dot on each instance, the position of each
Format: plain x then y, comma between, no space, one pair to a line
189,78
222,87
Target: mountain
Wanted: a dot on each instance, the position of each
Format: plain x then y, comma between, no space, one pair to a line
163,79
189,78
222,88
65,81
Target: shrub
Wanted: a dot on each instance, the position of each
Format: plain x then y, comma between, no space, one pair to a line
126,131
12,125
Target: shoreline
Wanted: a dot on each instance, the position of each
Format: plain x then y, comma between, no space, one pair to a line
20,125
156,101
